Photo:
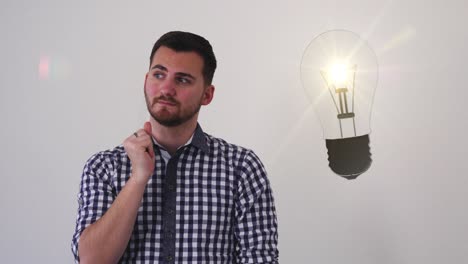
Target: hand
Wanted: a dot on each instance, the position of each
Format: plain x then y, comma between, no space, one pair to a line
139,148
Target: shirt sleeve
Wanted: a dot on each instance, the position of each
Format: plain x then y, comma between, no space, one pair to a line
256,229
95,195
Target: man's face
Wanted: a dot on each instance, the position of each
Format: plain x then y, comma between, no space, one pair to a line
175,88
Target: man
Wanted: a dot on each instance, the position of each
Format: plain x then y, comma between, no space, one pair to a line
172,193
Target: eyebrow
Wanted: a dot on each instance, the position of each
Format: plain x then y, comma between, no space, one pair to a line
159,66
162,68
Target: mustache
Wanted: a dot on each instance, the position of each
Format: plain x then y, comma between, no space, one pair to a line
169,99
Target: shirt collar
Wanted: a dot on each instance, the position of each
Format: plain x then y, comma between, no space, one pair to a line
197,139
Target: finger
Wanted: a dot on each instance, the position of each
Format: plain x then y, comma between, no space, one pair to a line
138,135
141,138
147,128
145,141
150,151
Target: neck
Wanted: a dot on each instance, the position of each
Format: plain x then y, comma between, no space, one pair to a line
172,138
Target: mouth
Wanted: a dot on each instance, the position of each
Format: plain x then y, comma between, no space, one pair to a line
166,101
163,102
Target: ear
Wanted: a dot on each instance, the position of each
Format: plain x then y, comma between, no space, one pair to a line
146,78
208,95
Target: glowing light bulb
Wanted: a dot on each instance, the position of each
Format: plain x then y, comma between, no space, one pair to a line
339,72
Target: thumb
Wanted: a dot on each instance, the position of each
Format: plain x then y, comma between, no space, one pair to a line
147,128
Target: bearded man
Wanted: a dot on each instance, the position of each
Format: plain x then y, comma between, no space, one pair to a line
172,193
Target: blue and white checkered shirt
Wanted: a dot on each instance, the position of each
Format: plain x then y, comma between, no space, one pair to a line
211,203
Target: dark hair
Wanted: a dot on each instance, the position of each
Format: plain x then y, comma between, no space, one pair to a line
186,41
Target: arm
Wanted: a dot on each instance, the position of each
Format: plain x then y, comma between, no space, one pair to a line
104,239
256,228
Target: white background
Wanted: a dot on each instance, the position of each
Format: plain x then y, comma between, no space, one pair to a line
410,207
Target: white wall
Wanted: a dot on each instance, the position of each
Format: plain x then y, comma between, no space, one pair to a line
410,207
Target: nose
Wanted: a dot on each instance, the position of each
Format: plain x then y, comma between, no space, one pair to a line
168,88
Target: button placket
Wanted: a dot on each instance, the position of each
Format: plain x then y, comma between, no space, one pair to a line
169,216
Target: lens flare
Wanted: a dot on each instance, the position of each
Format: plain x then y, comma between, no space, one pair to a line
44,68
54,68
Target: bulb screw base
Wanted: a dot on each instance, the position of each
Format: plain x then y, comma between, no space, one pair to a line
349,157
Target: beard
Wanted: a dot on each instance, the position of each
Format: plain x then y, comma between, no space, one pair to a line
165,118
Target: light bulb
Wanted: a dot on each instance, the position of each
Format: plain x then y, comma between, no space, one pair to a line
339,72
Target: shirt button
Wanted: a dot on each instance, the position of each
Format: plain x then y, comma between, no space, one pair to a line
169,258
171,187
170,211
168,234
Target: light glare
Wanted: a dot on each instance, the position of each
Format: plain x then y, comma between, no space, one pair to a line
338,74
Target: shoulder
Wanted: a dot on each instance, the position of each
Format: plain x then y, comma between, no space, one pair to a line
219,146
108,160
235,154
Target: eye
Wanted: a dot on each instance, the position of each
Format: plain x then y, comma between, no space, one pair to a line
183,80
158,75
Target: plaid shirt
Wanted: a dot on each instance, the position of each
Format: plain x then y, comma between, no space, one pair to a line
211,203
